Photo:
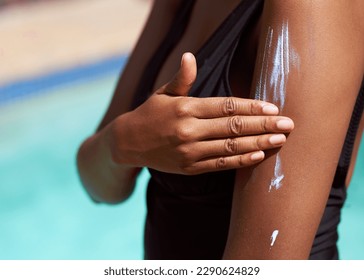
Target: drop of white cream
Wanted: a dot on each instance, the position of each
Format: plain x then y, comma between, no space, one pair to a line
274,237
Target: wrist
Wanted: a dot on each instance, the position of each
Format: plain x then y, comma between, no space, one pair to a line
116,137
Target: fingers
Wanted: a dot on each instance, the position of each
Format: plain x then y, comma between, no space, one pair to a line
231,153
224,163
237,146
185,77
242,125
215,107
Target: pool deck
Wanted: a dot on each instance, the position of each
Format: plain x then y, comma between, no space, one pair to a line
41,37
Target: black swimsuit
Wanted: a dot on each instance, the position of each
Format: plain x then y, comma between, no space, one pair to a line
188,216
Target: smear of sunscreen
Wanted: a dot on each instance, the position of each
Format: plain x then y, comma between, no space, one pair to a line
278,59
273,237
280,70
276,181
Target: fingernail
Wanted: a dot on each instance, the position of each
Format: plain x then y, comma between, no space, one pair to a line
270,110
277,139
182,59
257,156
285,124
185,56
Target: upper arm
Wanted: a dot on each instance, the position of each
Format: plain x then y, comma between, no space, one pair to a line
155,29
310,63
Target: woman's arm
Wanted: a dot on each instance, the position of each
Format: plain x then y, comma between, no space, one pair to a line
94,159
310,64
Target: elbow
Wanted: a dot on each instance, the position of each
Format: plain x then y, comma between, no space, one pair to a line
102,183
105,195
109,197
98,189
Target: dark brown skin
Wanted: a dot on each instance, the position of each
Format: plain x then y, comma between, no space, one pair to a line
172,132
320,99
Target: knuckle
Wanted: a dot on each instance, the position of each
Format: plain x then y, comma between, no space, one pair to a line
184,133
236,125
221,163
231,146
242,161
229,107
184,153
183,109
255,107
258,143
265,124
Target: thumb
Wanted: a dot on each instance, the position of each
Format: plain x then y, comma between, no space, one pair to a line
182,82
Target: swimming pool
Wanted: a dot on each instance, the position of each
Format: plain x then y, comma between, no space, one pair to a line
44,212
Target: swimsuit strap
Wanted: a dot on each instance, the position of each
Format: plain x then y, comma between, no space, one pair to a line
214,57
347,150
172,37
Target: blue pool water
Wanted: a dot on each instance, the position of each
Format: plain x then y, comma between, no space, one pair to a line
45,213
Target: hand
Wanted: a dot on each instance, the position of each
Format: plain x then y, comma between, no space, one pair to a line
174,133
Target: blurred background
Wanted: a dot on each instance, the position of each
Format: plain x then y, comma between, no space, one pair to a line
59,63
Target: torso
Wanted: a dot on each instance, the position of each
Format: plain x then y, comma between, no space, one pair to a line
178,204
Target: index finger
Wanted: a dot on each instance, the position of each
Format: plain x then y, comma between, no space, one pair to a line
216,107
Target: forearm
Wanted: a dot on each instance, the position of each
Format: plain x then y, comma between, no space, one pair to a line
103,178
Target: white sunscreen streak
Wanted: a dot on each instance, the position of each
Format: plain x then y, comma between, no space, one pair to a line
276,181
278,57
277,61
273,237
280,71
